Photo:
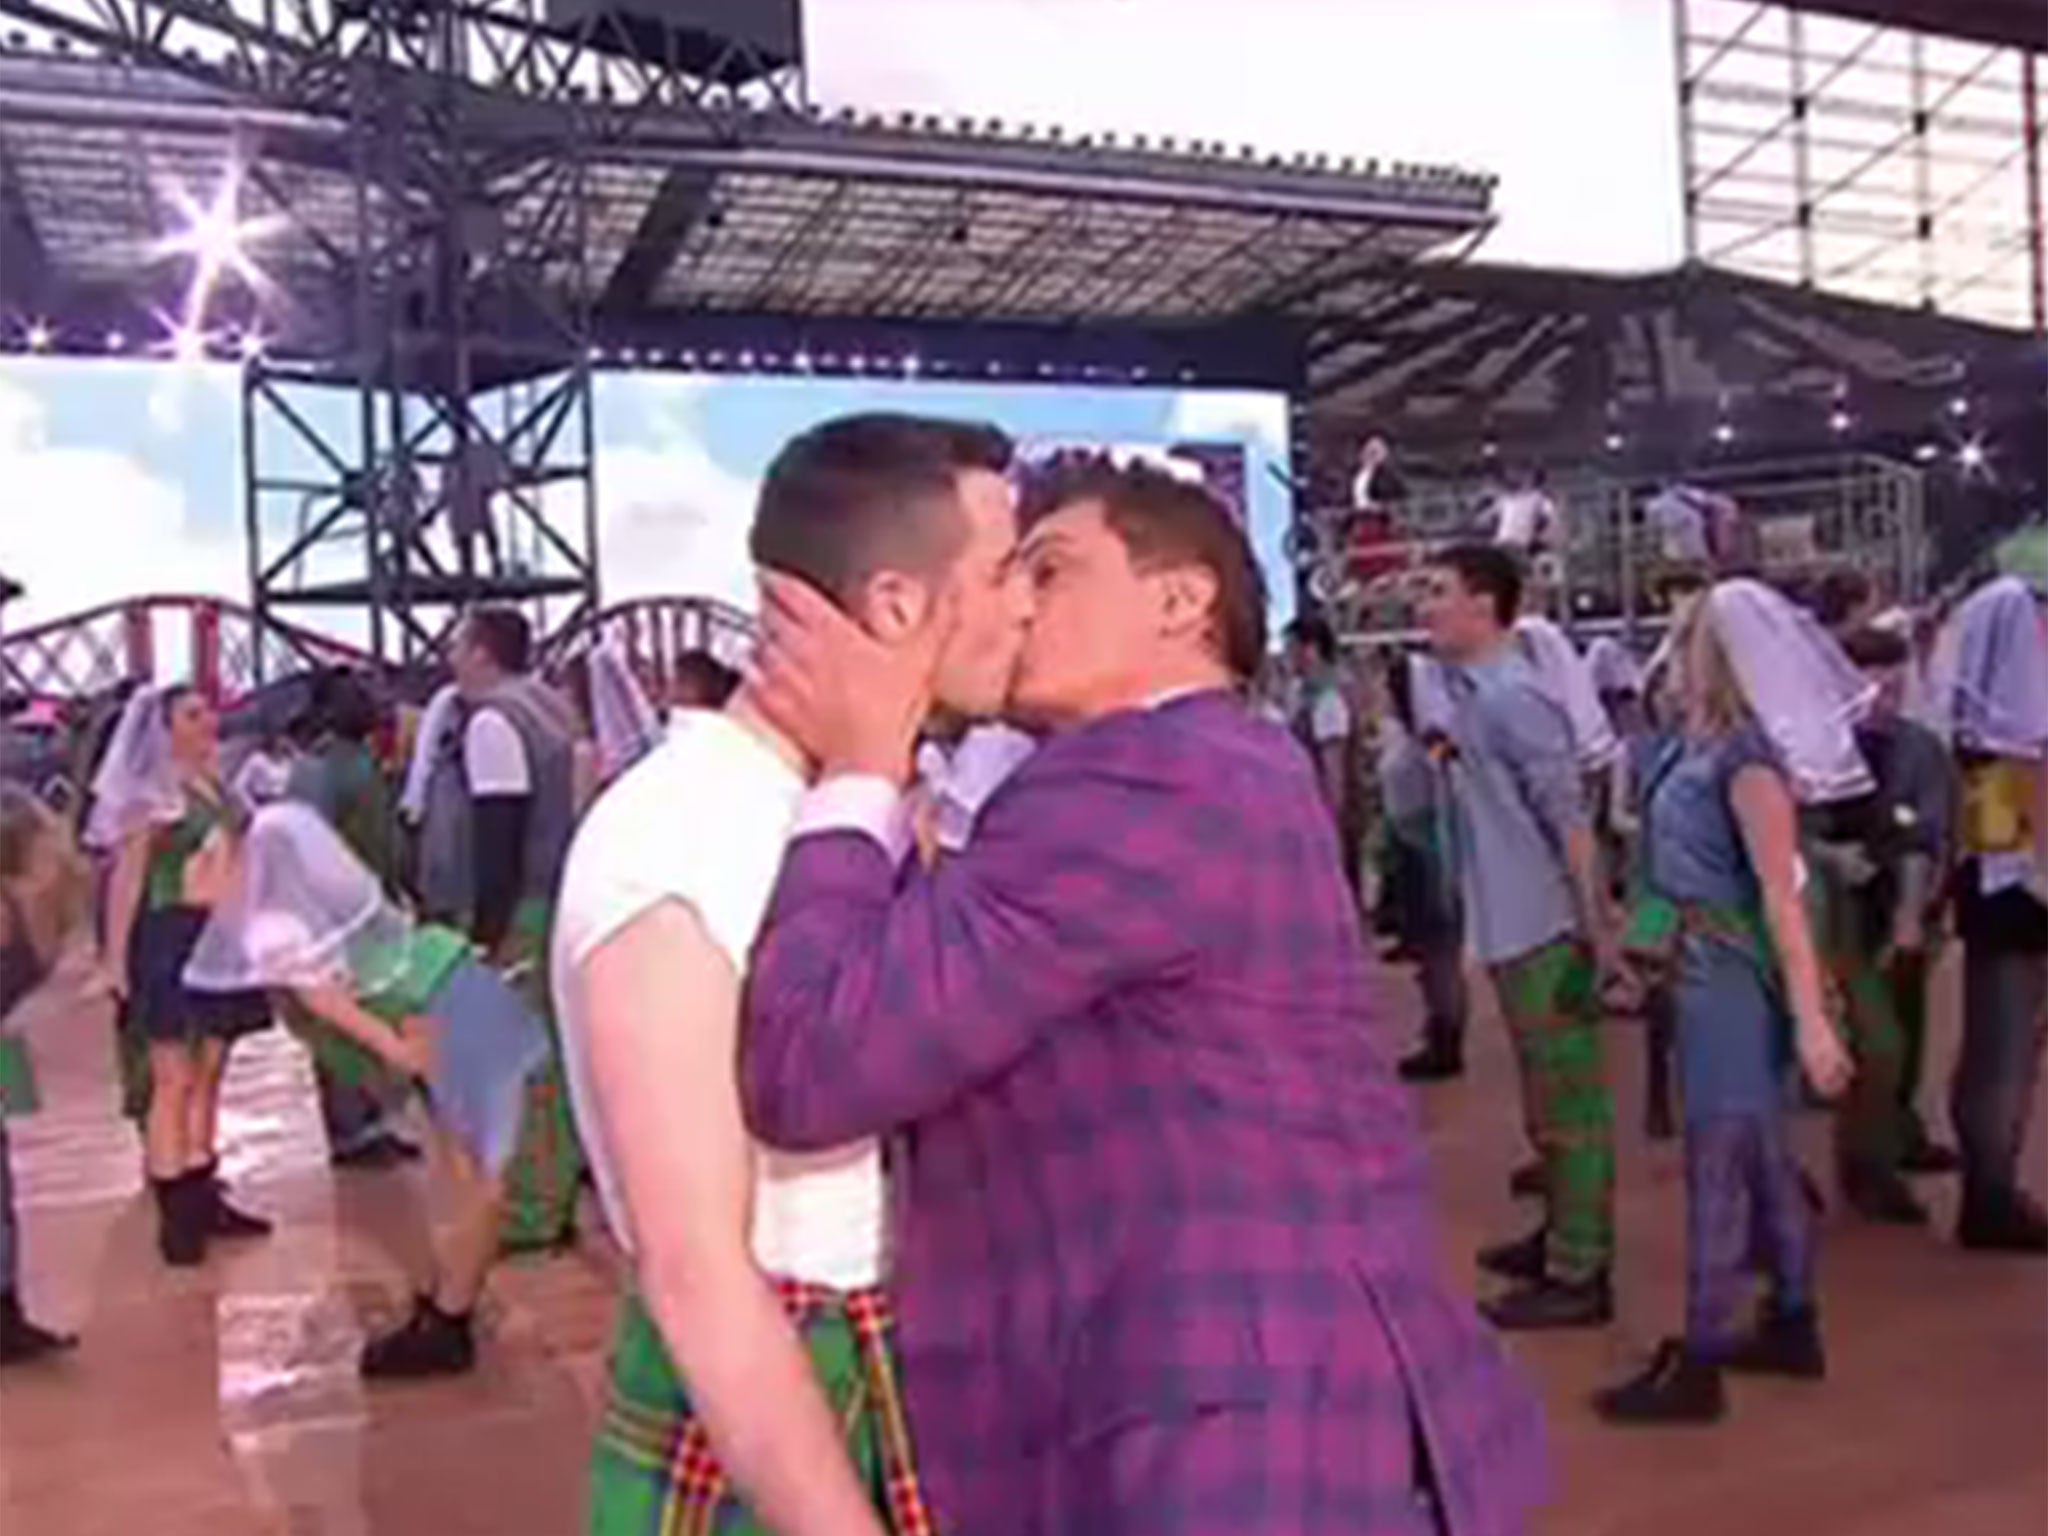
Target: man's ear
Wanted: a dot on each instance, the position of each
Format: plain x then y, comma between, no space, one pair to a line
1187,600
894,606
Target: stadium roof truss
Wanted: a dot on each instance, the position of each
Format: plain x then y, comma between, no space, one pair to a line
447,213
1892,152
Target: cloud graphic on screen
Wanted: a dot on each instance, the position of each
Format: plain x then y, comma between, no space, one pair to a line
88,525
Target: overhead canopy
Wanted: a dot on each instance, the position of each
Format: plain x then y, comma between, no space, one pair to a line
2014,23
1556,362
773,211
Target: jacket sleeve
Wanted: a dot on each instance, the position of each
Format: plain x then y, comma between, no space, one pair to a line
874,999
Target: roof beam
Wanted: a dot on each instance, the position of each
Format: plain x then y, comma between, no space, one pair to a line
25,276
683,198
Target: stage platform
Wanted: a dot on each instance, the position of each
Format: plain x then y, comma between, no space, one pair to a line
224,1402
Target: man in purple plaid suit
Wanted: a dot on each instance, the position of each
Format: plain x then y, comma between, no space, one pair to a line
1162,1258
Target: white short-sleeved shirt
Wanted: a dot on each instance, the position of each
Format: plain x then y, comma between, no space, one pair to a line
493,756
702,820
1524,518
1329,716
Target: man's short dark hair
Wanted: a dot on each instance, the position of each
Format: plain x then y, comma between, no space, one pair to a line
505,635
862,494
1489,571
1313,631
1838,595
1870,646
1165,522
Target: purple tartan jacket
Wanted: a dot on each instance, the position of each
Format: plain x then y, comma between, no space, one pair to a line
1151,1162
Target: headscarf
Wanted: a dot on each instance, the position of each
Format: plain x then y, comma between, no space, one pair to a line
1613,669
622,718
1805,693
137,784
301,911
426,744
1563,674
1990,690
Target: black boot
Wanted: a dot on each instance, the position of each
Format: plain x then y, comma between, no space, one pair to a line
184,1219
1521,1259
429,1343
1546,1305
1880,1195
1786,1343
1923,1153
1675,1388
2001,1221
21,1340
383,1150
224,1220
1436,1062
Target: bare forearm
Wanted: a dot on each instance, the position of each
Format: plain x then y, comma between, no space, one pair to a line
1793,940
1588,891
752,1383
342,1012
124,896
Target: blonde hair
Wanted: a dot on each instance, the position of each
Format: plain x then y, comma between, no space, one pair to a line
1709,691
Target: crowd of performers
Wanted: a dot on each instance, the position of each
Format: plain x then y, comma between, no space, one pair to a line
966,1020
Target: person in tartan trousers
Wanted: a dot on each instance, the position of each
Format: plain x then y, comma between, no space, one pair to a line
753,1384
1537,916
1162,1255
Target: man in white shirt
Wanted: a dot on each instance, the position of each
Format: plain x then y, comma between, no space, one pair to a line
755,1351
1525,519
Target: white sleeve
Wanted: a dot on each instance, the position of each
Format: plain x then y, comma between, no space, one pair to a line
493,756
858,802
1329,717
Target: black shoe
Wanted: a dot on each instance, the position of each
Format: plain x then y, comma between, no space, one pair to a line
1658,1122
21,1340
1675,1388
1784,1344
1529,1182
1546,1305
383,1150
1432,1064
1883,1197
1924,1154
183,1219
429,1343
2005,1223
224,1220
1521,1259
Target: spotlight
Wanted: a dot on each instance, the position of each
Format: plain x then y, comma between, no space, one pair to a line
116,341
1841,421
1724,432
40,336
746,360
1971,455
250,347
801,362
1615,442
1927,453
1489,449
1960,406
910,362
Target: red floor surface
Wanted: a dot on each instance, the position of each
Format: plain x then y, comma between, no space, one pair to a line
223,1401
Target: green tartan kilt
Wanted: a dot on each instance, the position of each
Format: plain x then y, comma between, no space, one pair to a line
545,1176
653,1472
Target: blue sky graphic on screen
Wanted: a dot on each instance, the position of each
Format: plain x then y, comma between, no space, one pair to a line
124,478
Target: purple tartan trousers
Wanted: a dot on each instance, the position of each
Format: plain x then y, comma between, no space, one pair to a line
1162,1256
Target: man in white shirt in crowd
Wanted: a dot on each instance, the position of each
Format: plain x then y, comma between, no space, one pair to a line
1525,518
1322,720
755,1350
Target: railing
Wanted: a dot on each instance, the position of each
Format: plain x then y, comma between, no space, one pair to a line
1802,518
653,632
210,642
